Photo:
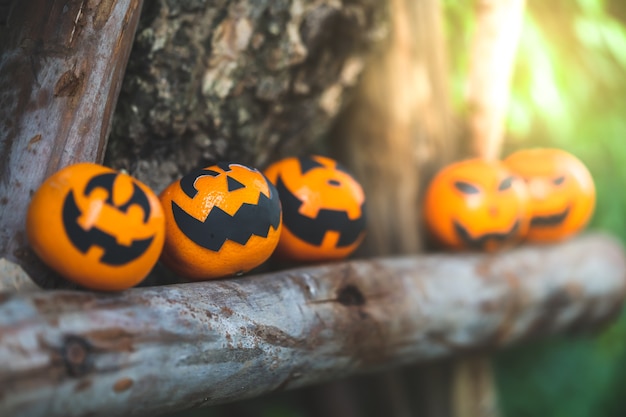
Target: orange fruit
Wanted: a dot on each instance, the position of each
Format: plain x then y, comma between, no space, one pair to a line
221,220
476,204
323,209
562,192
97,227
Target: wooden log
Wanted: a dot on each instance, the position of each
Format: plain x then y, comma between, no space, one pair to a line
62,64
157,349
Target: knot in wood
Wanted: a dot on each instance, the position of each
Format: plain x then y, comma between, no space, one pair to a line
76,356
350,295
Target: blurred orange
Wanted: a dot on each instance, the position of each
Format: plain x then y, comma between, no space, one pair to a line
562,192
476,204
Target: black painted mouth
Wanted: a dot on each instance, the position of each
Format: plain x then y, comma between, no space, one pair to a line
114,254
479,243
549,221
313,230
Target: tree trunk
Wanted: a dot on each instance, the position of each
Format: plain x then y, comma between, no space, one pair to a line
398,129
241,80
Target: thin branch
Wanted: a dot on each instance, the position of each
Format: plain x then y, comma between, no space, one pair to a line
493,51
62,64
147,350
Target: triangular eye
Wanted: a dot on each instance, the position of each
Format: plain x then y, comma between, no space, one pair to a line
307,164
505,184
233,184
558,180
466,187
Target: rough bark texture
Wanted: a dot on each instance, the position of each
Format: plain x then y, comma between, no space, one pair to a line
61,67
156,349
241,80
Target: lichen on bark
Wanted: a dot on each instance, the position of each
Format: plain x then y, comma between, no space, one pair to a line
245,81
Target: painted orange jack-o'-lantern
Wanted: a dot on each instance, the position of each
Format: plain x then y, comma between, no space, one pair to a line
478,205
97,227
221,220
323,209
562,193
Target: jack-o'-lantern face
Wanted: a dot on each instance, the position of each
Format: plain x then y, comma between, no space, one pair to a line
221,220
97,227
478,205
323,209
562,193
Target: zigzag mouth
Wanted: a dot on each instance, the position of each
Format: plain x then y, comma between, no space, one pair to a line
480,242
313,231
552,220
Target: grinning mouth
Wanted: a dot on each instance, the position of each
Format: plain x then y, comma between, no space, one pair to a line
548,221
479,243
313,230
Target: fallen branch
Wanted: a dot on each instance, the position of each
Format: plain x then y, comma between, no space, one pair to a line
147,350
62,65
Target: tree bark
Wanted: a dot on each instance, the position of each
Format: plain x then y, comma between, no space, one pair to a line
148,350
62,65
248,81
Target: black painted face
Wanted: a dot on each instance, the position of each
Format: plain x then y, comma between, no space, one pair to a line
551,220
486,240
483,241
250,219
313,230
115,254
554,219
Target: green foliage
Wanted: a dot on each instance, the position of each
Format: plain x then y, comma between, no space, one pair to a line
567,91
569,72
565,377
